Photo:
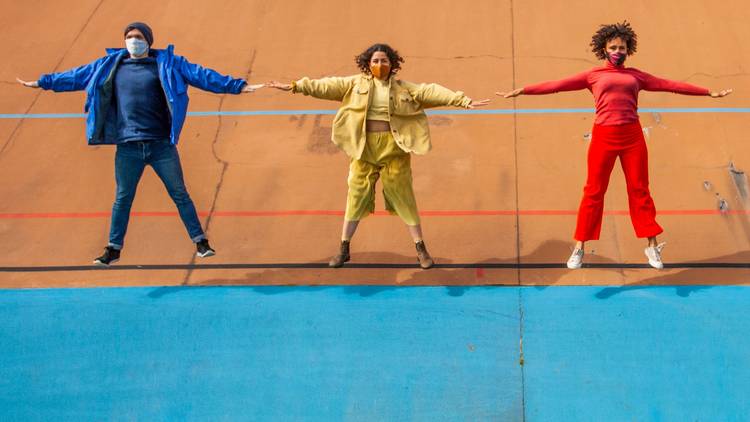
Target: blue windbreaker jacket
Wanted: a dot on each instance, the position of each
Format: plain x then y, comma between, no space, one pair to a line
97,78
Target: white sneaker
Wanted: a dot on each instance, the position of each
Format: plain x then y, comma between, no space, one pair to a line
576,259
653,253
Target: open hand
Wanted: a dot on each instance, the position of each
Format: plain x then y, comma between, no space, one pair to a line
480,103
514,93
279,85
722,93
32,84
252,88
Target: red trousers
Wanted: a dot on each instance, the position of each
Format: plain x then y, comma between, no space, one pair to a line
607,143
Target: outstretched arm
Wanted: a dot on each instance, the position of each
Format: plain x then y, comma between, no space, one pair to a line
573,83
654,83
71,80
332,88
211,80
434,95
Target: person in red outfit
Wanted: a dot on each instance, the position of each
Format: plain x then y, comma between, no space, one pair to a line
617,133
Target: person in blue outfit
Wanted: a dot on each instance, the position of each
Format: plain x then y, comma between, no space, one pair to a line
137,99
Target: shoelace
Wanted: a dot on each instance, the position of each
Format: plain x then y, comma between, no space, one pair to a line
658,249
576,255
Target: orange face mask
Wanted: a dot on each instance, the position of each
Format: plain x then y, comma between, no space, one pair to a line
380,71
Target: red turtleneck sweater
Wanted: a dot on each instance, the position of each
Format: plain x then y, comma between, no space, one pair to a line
615,90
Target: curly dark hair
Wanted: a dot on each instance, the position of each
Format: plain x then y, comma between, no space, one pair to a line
363,59
607,33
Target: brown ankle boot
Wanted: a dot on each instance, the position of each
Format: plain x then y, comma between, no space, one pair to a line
424,258
343,256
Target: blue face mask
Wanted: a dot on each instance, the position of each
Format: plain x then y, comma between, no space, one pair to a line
136,47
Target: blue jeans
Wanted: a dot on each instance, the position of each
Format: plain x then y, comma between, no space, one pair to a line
130,161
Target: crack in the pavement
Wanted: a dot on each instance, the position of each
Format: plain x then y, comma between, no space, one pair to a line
717,76
12,135
511,57
518,219
573,59
478,56
224,167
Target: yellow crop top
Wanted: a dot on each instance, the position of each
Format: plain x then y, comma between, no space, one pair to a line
379,100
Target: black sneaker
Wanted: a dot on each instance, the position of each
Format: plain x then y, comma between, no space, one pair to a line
110,256
204,249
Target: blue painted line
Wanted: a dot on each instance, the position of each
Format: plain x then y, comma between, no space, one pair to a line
262,113
441,112
695,110
43,116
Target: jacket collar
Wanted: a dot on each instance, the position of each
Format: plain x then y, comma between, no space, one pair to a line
368,77
116,51
122,51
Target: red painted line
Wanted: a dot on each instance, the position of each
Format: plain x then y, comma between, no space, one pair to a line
288,213
548,212
21,216
275,213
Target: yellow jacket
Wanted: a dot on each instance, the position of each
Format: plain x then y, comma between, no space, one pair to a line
407,118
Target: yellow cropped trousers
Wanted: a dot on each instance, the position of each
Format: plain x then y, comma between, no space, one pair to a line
381,159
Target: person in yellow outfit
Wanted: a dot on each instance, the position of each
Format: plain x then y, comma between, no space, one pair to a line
381,121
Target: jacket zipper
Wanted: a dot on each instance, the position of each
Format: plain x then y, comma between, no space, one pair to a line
161,83
101,107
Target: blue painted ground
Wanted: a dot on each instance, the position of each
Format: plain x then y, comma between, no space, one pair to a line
375,353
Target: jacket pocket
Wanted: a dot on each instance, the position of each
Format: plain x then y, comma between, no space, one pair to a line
405,103
360,97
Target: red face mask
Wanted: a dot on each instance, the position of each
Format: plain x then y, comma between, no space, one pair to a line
380,71
617,59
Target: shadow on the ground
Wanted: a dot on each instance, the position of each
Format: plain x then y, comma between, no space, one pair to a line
457,280
690,280
483,272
